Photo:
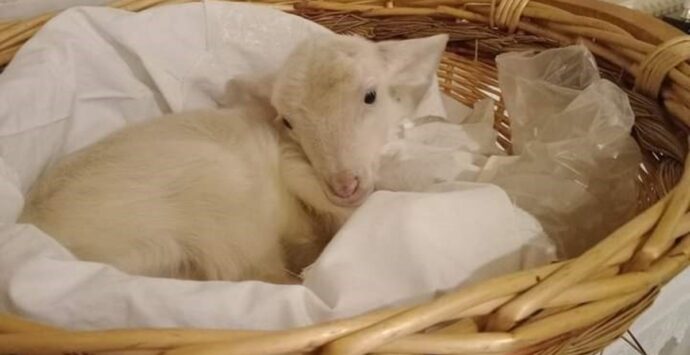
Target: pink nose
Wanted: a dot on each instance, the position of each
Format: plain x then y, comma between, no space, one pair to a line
344,184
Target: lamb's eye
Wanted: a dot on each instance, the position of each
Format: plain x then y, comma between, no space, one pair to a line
286,123
370,97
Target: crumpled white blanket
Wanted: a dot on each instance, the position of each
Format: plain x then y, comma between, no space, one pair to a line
90,71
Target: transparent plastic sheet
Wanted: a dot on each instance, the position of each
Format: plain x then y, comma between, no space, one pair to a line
575,163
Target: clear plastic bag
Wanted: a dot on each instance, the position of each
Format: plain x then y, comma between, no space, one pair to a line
575,163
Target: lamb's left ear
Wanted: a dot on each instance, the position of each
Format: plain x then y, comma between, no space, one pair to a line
411,65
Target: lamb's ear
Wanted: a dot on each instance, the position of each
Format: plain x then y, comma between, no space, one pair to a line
411,65
243,89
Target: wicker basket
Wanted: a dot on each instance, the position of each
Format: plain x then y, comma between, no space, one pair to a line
573,307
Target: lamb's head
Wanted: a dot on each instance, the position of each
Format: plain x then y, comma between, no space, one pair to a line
341,97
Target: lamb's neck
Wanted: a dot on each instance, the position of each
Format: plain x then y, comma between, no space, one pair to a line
309,219
302,182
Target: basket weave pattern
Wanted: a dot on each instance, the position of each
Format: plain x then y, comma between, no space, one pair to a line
572,307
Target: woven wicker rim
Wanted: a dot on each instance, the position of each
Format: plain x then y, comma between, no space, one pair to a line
571,307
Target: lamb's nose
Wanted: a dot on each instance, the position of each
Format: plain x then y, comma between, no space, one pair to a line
344,184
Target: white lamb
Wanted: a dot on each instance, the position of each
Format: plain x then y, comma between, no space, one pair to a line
252,191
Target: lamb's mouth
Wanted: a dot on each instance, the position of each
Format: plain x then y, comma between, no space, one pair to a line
354,200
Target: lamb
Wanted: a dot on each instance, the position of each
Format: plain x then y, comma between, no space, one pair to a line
250,191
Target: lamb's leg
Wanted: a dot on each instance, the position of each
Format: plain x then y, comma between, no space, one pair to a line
246,253
153,257
273,268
